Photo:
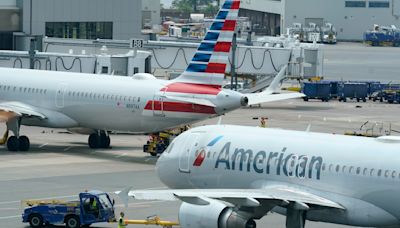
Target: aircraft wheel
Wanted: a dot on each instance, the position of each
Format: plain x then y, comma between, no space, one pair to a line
13,143
24,143
94,141
104,140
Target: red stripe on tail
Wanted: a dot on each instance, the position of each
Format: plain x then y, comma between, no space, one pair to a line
218,68
229,25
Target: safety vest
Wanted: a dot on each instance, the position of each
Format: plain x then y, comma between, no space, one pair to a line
121,222
94,204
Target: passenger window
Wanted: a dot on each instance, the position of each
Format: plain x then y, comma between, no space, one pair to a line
351,169
365,171
344,169
358,170
323,167
372,173
330,167
337,168
379,173
387,173
394,174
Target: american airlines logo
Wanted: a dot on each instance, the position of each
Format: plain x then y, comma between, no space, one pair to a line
202,154
278,163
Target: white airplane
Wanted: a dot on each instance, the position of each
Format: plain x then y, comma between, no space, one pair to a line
229,176
137,104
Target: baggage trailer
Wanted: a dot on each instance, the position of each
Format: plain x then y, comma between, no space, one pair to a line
92,207
372,87
349,90
317,90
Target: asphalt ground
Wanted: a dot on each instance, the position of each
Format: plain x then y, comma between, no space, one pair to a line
60,165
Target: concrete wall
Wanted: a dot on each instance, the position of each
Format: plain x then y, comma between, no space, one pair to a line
125,14
154,7
350,23
269,6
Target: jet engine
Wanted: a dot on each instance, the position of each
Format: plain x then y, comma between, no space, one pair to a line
216,214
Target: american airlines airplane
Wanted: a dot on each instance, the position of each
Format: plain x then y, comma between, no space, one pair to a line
136,104
229,176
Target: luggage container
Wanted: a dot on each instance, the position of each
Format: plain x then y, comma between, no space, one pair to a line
348,90
317,90
372,87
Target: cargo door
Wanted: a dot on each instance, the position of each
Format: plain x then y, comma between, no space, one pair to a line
60,94
187,152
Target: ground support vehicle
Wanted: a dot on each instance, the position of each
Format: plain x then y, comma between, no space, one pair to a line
317,90
372,87
383,36
158,142
92,207
348,90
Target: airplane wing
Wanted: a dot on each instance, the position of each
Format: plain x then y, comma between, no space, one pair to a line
9,110
237,197
268,95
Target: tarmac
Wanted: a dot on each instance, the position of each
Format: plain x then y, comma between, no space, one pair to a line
60,165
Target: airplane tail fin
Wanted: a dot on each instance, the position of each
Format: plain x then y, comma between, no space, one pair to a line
208,65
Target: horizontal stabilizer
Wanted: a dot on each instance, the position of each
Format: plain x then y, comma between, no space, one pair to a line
258,98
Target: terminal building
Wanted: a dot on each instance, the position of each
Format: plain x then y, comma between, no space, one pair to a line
77,19
350,17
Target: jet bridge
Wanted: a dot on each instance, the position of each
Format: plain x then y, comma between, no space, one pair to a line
121,64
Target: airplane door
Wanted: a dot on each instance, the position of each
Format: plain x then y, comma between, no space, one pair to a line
60,93
158,105
191,145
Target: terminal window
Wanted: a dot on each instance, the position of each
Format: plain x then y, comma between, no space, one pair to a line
355,4
80,30
378,4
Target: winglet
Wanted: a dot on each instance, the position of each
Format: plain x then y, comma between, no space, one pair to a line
275,84
123,195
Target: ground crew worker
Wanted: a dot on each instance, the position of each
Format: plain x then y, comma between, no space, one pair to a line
121,220
264,122
93,207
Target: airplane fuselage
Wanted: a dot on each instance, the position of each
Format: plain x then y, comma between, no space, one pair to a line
108,102
361,174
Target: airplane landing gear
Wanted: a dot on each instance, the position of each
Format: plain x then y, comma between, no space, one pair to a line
99,140
296,215
16,142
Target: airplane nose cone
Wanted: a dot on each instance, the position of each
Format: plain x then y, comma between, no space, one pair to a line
166,168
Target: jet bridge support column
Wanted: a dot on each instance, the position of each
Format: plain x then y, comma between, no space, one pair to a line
296,215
